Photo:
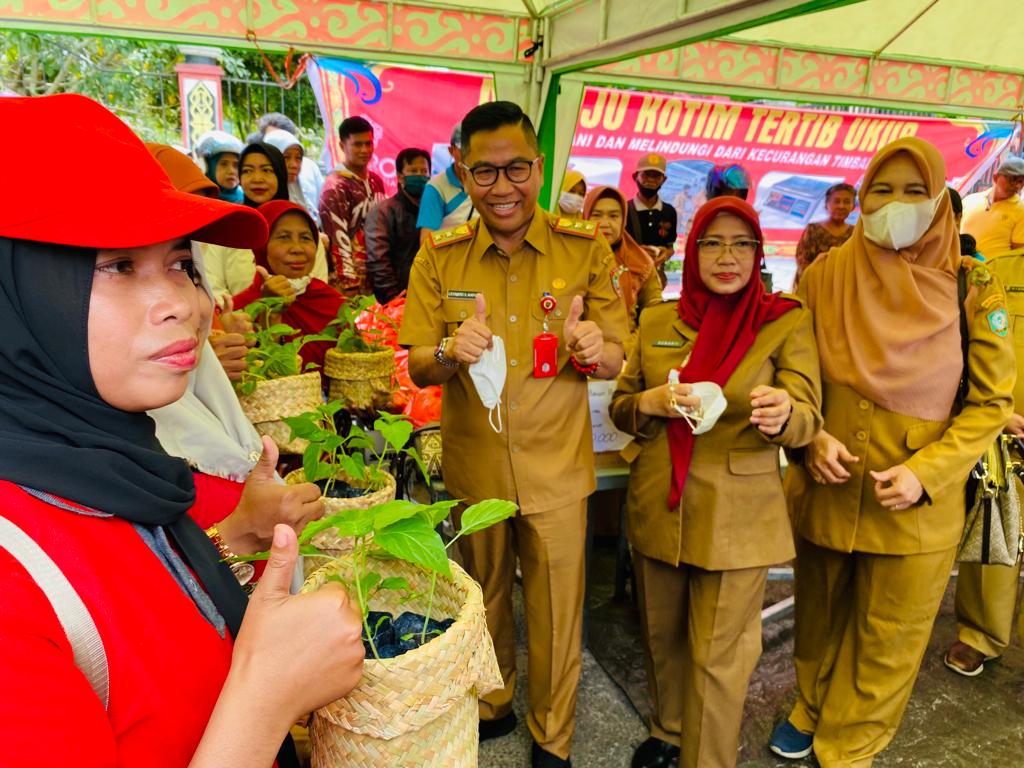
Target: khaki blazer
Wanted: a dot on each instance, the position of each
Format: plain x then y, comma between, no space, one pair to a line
733,512
1010,271
848,517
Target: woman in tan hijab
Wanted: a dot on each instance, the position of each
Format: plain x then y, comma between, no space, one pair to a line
877,499
634,276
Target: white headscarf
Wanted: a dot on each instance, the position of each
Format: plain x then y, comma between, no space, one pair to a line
207,427
283,141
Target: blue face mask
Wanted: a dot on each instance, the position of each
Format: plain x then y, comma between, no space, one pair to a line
414,184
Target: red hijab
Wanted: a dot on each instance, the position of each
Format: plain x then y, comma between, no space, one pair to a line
726,325
313,309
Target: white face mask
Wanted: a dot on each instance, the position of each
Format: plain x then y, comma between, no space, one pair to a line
712,404
300,283
898,225
488,374
570,202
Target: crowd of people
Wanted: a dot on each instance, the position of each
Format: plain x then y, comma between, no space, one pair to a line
127,469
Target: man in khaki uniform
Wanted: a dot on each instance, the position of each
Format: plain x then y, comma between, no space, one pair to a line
995,217
484,280
986,595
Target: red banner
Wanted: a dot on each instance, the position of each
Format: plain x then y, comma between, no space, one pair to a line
792,155
407,107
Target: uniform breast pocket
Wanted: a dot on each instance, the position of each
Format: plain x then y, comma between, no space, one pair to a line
754,462
456,312
925,433
556,318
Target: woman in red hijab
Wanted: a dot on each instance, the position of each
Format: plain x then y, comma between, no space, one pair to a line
706,511
283,269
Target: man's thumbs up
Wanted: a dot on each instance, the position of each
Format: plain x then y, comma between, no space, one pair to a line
583,338
481,308
573,318
473,336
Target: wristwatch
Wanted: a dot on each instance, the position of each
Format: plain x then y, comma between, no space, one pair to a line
440,356
244,572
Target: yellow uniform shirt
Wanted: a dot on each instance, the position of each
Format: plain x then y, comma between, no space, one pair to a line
543,457
1010,271
997,227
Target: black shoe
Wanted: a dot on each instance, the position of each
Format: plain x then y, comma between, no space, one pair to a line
492,729
655,753
541,758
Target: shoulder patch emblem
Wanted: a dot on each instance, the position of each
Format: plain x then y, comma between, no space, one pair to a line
979,276
457,234
578,227
998,321
995,298
617,272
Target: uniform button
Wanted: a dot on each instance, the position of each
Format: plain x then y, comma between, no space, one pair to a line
558,313
462,314
512,318
513,362
864,405
513,278
513,406
515,449
861,435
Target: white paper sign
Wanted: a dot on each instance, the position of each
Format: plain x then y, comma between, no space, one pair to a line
606,436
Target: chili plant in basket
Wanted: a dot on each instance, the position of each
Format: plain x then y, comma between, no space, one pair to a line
329,452
403,530
271,358
350,337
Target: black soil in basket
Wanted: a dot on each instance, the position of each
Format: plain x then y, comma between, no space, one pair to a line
394,636
342,490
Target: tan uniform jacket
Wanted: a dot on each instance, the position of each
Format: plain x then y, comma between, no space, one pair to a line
1010,271
543,458
733,513
848,517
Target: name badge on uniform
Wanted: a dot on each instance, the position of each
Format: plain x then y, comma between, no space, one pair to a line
669,343
469,295
545,345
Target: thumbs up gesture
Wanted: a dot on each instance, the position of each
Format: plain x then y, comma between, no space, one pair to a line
275,285
472,337
266,502
583,338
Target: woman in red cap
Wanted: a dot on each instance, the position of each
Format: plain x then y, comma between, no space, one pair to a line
283,268
715,385
119,619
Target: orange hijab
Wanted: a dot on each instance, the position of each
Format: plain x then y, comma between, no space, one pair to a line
887,322
635,264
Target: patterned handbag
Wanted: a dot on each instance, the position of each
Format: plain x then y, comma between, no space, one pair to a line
992,535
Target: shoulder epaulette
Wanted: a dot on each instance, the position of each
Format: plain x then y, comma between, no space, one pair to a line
578,227
444,237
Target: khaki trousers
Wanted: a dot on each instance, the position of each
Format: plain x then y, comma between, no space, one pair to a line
986,598
703,638
862,626
550,546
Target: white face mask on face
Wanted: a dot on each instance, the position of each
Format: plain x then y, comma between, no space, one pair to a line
488,374
898,225
570,202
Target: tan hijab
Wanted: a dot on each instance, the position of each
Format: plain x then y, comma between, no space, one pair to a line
635,264
887,322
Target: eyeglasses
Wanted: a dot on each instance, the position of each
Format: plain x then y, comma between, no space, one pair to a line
516,172
715,248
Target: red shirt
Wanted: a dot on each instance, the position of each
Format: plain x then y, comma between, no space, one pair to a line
167,663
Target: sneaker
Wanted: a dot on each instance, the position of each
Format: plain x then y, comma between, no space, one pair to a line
965,660
790,743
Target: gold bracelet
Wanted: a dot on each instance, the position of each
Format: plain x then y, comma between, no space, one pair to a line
244,572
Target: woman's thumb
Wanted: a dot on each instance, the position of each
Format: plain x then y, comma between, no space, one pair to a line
263,272
265,467
277,578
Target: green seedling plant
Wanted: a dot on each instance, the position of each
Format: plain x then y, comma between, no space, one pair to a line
350,337
271,358
328,452
403,530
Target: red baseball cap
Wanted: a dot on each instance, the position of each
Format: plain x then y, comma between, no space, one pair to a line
126,198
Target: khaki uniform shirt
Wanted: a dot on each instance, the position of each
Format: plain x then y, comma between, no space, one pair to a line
1010,271
997,227
733,511
848,517
543,458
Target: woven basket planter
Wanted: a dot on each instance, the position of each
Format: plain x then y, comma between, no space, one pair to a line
328,542
275,399
418,710
361,381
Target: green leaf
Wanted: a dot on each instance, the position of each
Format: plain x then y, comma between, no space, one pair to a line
353,465
310,459
281,329
316,526
438,511
486,514
395,433
415,541
392,511
368,582
395,582
308,550
354,522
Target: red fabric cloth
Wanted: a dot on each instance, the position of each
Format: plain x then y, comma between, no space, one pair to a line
167,663
726,325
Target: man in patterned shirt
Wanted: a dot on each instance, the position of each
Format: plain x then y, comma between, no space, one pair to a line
349,192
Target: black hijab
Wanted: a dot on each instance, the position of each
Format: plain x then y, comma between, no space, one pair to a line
58,435
273,154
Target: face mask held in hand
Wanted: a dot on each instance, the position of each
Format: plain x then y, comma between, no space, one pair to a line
898,225
488,374
712,404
